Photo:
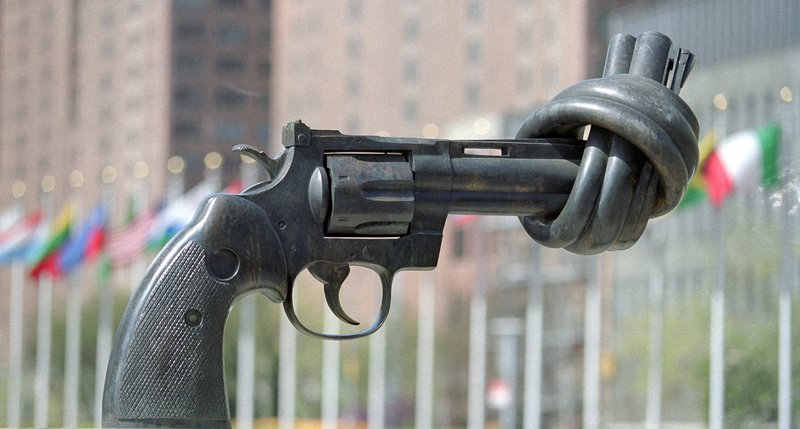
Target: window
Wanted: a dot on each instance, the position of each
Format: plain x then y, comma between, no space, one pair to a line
412,29
230,131
229,65
186,63
353,47
353,86
188,97
354,9
186,31
264,36
184,128
231,3
474,52
410,110
263,67
191,4
410,71
474,10
231,33
262,133
473,94
228,98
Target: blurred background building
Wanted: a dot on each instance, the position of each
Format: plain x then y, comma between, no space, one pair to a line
126,85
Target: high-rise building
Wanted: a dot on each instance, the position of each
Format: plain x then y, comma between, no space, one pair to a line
413,68
91,86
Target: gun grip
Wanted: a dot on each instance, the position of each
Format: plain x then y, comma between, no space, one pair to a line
166,366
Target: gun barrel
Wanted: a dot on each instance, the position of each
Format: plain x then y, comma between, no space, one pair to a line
497,185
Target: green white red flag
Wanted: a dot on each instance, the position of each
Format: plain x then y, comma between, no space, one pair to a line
748,158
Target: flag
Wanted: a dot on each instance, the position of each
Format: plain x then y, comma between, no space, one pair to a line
44,256
16,240
126,244
746,158
177,214
10,217
461,220
696,189
234,187
86,244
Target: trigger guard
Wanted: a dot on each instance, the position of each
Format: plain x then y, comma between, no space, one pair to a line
383,313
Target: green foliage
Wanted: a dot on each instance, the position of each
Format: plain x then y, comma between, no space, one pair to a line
751,365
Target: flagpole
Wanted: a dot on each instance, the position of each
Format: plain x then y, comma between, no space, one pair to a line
655,369
72,352
425,351
377,377
43,328
476,387
329,407
787,274
15,339
716,410
105,314
245,352
534,323
591,354
287,376
140,172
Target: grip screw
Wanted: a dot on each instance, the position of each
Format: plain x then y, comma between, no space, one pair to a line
193,317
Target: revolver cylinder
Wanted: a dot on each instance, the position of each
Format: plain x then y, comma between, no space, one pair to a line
370,194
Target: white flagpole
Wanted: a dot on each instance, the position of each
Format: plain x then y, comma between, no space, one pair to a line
43,328
425,352
591,354
787,275
287,376
245,363
15,339
717,335
655,367
476,393
534,328
105,316
245,352
141,197
330,373
376,403
72,352
716,404
42,378
377,379
15,306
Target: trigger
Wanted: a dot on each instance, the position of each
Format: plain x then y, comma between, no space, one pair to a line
332,277
332,296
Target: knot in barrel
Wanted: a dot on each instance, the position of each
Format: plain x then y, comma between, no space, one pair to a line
639,155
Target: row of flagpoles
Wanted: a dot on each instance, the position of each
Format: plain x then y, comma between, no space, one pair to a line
53,250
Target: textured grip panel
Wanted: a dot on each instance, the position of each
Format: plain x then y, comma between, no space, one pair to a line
174,370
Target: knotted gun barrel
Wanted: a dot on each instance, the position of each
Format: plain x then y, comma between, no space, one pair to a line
639,156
